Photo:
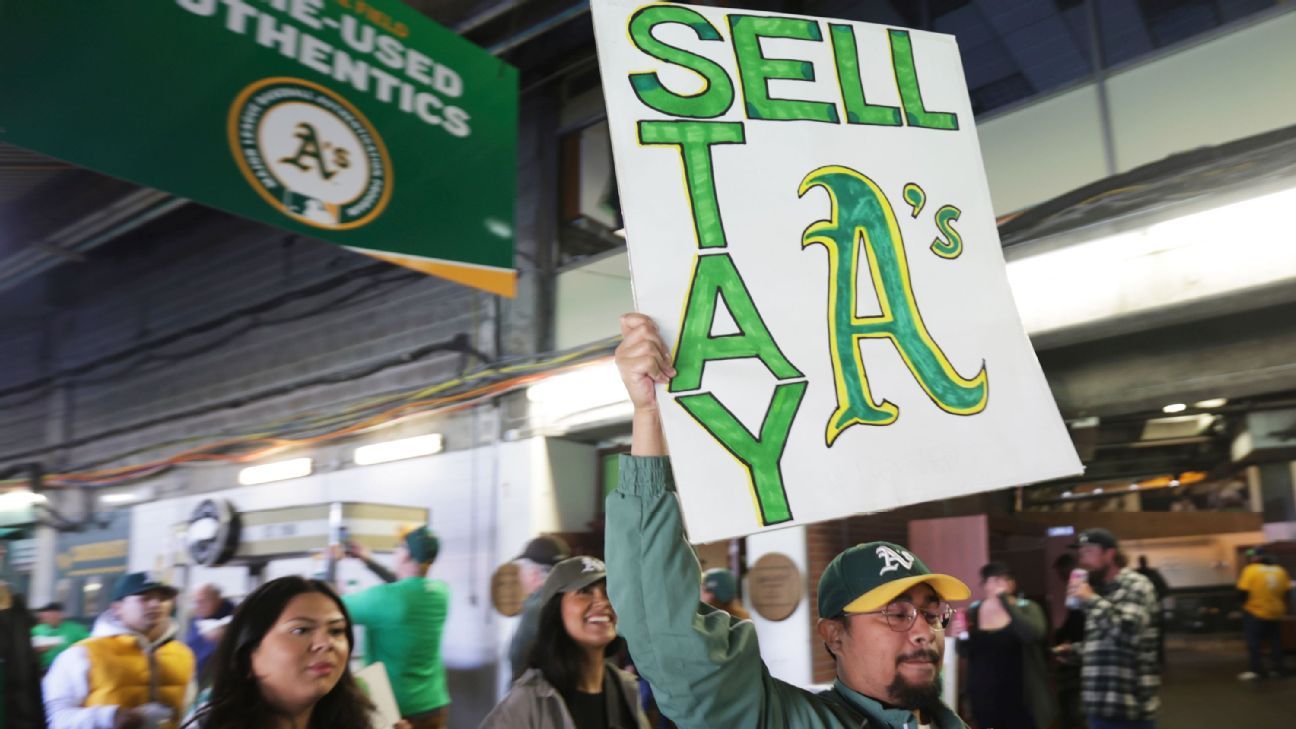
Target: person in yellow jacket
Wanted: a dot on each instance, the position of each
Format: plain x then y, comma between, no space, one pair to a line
131,672
1266,588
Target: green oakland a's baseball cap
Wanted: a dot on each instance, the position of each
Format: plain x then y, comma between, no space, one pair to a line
869,576
720,582
422,544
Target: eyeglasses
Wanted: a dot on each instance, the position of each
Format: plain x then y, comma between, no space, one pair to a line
901,616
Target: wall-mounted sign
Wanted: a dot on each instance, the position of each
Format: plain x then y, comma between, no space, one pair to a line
506,590
212,535
360,122
102,549
774,586
809,225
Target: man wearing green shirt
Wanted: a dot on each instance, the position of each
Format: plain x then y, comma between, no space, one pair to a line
54,634
403,621
882,613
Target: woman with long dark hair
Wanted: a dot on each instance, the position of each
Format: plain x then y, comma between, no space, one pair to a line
283,663
569,682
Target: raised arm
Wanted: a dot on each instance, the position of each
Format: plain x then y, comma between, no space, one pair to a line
1122,615
704,666
1027,619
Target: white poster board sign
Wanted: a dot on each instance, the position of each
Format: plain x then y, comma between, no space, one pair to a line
377,686
809,224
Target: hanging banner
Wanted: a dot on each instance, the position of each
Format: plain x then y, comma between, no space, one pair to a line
809,224
359,122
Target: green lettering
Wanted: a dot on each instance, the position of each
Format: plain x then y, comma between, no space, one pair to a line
717,93
952,244
862,220
716,277
755,70
902,61
858,110
760,456
694,139
916,197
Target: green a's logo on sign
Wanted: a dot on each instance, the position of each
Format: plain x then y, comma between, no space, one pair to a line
310,154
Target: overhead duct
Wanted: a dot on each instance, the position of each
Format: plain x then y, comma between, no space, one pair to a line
1267,435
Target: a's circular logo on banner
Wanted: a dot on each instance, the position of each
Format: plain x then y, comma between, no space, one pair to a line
310,154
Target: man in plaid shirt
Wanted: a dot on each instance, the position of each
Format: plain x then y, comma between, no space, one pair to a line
1120,676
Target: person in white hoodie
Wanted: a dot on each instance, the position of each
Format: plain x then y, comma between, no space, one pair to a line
131,672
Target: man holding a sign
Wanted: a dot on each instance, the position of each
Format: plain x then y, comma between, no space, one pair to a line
882,612
809,224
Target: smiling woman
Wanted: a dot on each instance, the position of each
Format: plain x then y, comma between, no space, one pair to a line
569,682
283,663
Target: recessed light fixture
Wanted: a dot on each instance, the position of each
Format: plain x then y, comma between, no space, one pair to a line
1215,402
1098,490
1174,407
1174,482
1067,494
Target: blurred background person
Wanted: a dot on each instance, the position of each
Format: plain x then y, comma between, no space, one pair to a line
1120,680
55,634
284,664
1067,641
1162,592
534,565
720,591
1007,669
131,671
20,694
202,636
404,620
569,682
1264,587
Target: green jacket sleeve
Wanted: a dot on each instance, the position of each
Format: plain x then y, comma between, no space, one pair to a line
1027,619
704,667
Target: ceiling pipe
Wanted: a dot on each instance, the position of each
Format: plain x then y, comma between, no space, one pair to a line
540,28
68,243
476,21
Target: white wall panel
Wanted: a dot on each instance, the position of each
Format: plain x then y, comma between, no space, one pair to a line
1234,86
1043,150
785,645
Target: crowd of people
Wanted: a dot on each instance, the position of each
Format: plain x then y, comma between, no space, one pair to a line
643,640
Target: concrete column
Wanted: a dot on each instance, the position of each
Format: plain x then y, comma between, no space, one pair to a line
785,645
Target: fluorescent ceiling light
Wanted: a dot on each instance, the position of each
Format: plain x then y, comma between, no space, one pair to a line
1215,402
580,396
120,498
20,499
277,471
395,450
1174,407
1157,266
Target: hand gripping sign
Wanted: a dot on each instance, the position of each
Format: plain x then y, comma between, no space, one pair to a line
809,224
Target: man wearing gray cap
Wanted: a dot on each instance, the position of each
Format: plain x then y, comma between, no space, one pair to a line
1119,677
534,564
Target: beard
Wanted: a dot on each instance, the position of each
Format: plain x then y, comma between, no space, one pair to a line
917,697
